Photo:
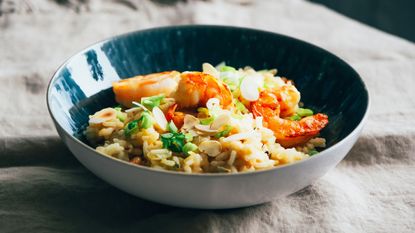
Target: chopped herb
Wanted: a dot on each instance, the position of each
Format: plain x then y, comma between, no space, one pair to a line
303,112
171,127
120,115
131,128
189,147
153,101
206,121
313,152
167,135
224,132
188,137
240,106
295,117
144,122
227,68
173,141
237,116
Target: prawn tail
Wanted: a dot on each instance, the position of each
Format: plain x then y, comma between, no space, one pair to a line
291,133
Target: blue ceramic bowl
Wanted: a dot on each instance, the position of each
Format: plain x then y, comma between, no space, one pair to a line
82,86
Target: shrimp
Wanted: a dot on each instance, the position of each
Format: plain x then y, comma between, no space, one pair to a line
189,89
288,133
291,133
133,89
196,88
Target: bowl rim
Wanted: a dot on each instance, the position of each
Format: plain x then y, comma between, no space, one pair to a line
325,152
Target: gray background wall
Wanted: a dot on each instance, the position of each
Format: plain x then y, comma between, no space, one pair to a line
393,16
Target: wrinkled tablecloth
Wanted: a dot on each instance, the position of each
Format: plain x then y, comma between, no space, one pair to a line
43,188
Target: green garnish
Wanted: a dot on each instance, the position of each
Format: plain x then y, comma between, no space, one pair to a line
240,106
303,112
206,121
131,128
120,115
313,152
295,117
189,147
227,68
144,122
153,101
173,141
188,137
224,132
171,127
237,116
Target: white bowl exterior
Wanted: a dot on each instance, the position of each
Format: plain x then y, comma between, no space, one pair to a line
210,191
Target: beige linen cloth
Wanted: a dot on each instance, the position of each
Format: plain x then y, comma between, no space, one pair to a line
43,188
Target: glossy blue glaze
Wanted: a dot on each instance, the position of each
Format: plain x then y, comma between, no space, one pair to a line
327,84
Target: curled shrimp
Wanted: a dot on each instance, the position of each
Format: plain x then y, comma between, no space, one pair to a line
291,133
133,89
288,133
189,89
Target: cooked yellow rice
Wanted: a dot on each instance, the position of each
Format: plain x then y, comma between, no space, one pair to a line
250,147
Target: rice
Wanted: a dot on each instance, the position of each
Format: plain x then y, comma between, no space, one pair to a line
231,143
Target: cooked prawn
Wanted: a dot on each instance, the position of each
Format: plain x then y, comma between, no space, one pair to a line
133,89
288,133
189,89
291,133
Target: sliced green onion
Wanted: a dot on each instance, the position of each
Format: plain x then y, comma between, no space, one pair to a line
240,106
313,152
295,117
145,120
237,116
188,137
189,147
303,112
171,127
167,135
120,115
131,128
153,101
227,68
224,132
206,121
173,141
